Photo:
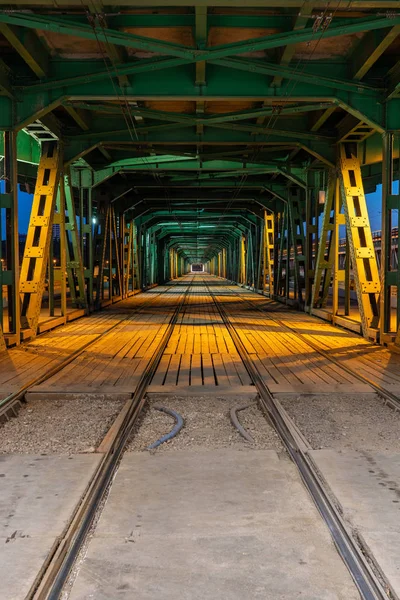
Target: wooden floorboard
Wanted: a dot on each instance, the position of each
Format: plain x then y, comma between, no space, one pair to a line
200,354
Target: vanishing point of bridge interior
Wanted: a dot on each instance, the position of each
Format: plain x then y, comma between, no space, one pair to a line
186,191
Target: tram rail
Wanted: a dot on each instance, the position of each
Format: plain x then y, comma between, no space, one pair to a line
368,584
60,564
391,399
11,403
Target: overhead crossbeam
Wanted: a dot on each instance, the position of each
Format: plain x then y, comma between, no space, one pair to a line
29,47
370,48
68,27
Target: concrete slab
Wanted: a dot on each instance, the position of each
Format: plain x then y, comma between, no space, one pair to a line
368,488
211,524
37,497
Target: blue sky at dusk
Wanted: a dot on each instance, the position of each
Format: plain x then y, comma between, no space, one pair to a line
25,203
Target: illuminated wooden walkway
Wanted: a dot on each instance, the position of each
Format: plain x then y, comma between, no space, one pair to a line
200,356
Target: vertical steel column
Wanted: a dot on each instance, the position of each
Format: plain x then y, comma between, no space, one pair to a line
242,260
85,180
268,253
325,255
338,273
37,247
362,252
75,267
59,218
311,237
389,267
282,241
298,240
9,274
118,274
136,283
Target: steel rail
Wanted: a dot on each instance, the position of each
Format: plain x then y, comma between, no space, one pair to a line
389,398
10,402
51,585
367,583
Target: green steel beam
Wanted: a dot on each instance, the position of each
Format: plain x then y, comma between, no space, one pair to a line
318,5
318,120
280,72
221,86
370,48
393,81
29,47
215,119
142,132
288,52
188,20
80,116
104,35
5,84
222,168
66,27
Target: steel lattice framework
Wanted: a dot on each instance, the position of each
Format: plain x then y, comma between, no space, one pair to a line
241,138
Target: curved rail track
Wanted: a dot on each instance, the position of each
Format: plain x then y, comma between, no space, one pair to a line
364,577
56,571
10,404
59,566
391,399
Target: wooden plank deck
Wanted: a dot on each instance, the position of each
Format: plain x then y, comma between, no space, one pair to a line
200,355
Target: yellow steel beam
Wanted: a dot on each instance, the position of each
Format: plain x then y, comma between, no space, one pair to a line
362,252
36,254
269,231
326,249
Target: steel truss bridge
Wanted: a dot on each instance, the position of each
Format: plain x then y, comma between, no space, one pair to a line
160,133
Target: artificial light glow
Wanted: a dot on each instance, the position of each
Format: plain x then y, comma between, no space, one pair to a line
94,220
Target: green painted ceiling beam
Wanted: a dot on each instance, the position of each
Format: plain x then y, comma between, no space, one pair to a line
393,81
5,84
370,48
217,167
188,20
64,26
99,74
104,35
143,132
206,120
221,86
29,47
319,4
281,72
288,52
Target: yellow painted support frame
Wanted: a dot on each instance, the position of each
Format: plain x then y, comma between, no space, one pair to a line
117,256
60,271
339,275
242,265
100,276
135,258
224,262
359,236
36,254
326,249
127,258
74,263
268,253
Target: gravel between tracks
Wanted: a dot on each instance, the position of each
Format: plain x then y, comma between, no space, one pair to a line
207,425
345,421
59,426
